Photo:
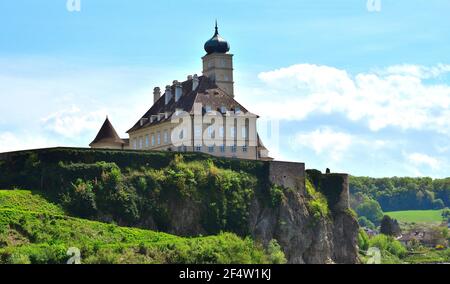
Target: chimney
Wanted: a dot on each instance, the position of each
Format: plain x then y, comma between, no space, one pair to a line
168,94
156,94
195,82
178,90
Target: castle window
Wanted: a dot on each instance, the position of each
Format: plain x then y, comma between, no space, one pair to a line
159,138
198,131
140,142
211,149
134,144
222,149
208,108
244,149
233,131
153,139
198,148
147,141
221,132
181,134
210,131
233,149
244,132
166,136
237,110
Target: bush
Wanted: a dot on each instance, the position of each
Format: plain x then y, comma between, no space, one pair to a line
446,213
317,203
388,244
364,222
363,240
276,254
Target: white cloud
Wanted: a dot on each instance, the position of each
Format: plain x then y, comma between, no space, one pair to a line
325,141
72,122
423,72
19,141
419,159
396,97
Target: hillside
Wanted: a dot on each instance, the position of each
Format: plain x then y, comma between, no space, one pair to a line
417,216
34,230
193,194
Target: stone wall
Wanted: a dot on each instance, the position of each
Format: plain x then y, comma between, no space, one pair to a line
288,174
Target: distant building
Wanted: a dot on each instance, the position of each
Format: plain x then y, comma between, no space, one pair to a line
220,125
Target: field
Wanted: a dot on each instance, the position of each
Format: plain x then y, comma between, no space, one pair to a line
33,230
417,216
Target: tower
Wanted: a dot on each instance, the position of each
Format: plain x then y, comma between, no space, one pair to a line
218,63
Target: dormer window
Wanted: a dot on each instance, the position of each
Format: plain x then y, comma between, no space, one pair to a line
223,109
208,108
237,110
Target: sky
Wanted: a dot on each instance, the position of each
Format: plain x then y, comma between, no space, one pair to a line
358,86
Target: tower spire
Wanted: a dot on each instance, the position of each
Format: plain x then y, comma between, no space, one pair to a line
217,29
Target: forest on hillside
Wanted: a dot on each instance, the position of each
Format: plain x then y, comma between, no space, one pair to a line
370,197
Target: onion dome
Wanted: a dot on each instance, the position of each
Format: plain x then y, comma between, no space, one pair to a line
217,44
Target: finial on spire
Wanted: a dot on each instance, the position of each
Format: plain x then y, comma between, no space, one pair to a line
217,28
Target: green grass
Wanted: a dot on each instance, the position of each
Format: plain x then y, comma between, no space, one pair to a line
27,201
417,216
33,230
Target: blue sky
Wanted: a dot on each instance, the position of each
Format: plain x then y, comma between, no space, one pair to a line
357,91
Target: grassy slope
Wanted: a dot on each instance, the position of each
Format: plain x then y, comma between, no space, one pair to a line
417,216
34,230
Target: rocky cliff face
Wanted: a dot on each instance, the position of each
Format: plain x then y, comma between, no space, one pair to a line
303,238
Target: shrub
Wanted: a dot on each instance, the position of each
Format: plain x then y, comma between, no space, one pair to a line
276,254
364,222
363,240
389,244
317,203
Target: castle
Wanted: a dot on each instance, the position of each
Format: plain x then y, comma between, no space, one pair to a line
199,114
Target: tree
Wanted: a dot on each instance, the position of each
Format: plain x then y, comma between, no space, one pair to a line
390,226
370,209
446,213
438,204
364,222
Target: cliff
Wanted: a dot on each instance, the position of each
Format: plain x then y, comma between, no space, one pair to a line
305,211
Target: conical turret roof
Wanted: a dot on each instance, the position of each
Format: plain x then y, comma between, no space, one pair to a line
107,134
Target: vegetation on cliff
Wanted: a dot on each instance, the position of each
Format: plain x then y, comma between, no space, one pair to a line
189,195
33,230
